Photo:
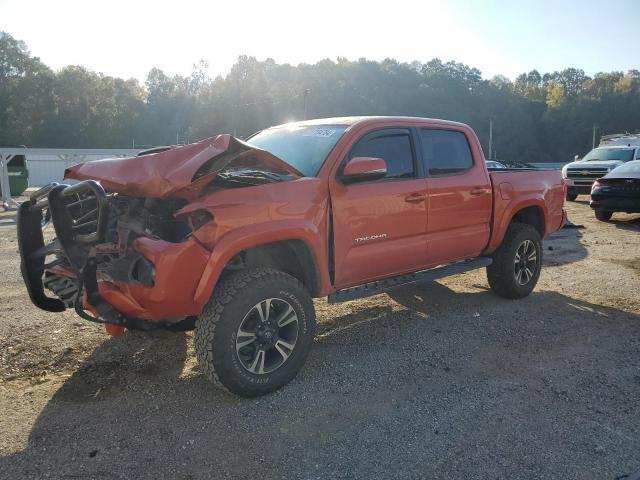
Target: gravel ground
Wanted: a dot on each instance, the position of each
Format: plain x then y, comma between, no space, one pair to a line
443,380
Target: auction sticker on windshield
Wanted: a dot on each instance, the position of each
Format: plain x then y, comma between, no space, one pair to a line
319,132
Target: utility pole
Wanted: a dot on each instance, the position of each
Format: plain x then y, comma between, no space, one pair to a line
593,141
490,137
304,100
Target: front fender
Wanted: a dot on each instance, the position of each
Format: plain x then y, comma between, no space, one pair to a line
251,236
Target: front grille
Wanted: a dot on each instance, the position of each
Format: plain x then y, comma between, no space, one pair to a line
79,212
586,174
82,209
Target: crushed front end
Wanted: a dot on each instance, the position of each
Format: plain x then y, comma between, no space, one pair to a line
121,251
115,259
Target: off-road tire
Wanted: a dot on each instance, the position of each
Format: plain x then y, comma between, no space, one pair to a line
571,197
217,327
603,215
501,273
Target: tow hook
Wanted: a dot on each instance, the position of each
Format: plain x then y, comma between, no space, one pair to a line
114,330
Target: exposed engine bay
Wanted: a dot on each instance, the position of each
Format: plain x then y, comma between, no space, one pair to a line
118,229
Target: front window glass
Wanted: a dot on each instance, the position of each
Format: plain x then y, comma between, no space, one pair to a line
394,149
622,154
303,147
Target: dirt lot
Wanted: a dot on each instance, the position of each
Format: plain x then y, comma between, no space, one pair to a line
435,381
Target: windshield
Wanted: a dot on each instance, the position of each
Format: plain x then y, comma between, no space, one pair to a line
303,147
623,154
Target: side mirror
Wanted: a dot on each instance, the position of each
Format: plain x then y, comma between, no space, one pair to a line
363,168
576,158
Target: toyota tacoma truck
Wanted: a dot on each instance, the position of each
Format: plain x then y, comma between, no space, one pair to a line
234,238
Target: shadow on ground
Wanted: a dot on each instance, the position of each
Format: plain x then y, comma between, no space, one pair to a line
428,382
629,222
564,247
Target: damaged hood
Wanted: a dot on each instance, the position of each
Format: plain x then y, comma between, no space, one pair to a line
179,171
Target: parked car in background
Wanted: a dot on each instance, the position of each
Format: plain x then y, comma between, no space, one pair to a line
618,191
492,164
613,151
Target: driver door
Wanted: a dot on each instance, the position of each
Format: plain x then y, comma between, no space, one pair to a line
380,225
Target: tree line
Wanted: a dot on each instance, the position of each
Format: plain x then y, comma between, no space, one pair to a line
536,118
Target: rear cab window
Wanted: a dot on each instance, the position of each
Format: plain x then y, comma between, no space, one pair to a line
445,152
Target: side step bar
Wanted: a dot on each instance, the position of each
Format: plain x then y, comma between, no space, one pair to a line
380,286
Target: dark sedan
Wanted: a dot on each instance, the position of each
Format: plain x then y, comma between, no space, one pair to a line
618,191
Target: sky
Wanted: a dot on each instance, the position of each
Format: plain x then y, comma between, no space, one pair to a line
128,38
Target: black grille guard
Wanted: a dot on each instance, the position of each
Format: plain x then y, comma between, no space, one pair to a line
77,235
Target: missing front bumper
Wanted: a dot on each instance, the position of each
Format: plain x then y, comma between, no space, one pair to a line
158,289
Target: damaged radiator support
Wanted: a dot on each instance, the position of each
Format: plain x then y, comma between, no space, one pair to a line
79,214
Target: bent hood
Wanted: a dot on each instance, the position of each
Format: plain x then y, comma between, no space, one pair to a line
178,172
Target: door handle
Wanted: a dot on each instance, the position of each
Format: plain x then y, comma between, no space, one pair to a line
478,191
415,198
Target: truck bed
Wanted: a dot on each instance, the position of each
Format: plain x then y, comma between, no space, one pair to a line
541,191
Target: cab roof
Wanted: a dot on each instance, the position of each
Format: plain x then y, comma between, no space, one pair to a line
363,120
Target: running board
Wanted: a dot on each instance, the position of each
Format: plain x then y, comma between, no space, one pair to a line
380,286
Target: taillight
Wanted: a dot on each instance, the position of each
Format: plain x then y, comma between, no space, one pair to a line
595,185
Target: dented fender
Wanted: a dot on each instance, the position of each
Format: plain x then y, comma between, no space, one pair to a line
178,269
251,236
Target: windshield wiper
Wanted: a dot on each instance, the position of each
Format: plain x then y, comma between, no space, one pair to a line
259,175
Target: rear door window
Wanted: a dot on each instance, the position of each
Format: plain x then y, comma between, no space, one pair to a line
445,152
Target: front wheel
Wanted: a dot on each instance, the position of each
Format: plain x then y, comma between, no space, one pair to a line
256,331
517,262
603,215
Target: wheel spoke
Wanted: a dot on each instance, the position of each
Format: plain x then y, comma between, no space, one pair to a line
517,258
264,309
287,317
258,363
250,338
532,256
279,347
528,273
519,276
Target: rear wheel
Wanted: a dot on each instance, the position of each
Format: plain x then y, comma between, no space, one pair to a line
603,215
256,331
517,262
571,197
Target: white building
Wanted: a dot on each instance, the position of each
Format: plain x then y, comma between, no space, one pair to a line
47,165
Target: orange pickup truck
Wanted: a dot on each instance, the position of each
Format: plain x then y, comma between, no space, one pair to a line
233,238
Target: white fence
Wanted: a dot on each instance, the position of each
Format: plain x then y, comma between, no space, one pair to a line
47,165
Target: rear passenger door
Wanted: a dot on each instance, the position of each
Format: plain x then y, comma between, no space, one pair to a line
380,225
459,198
